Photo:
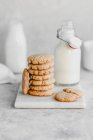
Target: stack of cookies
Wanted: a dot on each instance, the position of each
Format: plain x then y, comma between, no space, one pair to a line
41,73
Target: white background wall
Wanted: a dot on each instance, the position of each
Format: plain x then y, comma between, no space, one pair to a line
41,18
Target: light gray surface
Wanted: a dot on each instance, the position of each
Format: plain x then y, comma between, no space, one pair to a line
45,124
48,102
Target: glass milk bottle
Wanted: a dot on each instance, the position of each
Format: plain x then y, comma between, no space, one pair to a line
16,47
67,56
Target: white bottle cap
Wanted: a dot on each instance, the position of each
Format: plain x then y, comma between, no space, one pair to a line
75,42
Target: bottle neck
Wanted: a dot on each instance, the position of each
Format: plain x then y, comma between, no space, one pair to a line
67,35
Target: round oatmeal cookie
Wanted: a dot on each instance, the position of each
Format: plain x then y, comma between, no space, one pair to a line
66,97
74,91
42,66
41,72
42,83
40,58
41,88
40,93
40,78
25,81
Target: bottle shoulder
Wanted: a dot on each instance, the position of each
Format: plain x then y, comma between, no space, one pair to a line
61,44
65,47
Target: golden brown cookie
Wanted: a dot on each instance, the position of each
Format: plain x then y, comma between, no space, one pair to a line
40,93
40,58
25,81
41,72
42,83
74,91
42,66
66,97
41,88
40,78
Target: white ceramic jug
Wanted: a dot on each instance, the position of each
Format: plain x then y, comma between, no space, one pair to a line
88,55
16,47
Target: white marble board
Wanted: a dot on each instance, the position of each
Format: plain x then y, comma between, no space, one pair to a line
27,101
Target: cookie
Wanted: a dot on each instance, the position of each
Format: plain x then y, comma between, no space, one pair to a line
74,91
41,88
66,97
40,78
25,81
42,83
41,72
42,66
40,93
40,58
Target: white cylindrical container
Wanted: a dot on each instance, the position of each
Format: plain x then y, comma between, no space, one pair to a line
16,47
88,55
67,58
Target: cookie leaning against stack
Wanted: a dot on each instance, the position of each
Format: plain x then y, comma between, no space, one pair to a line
41,72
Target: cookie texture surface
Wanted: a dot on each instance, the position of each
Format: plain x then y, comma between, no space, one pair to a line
40,78
42,66
40,58
74,91
66,97
42,88
41,72
40,93
42,82
25,81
